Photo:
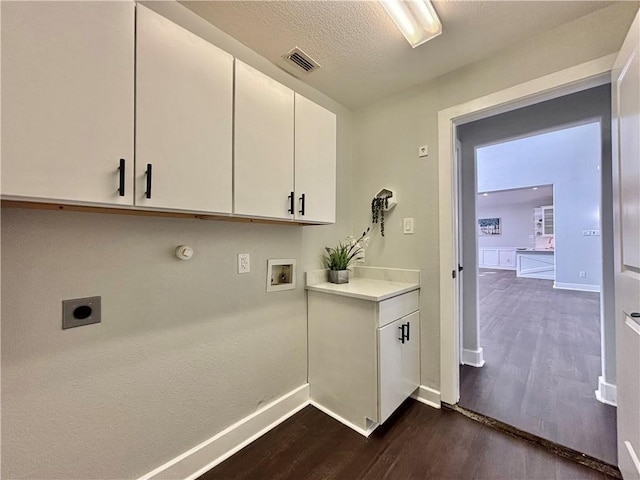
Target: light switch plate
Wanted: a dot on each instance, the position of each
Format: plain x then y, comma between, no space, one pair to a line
407,226
244,263
423,151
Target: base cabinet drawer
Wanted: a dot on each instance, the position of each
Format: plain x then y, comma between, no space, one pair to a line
398,307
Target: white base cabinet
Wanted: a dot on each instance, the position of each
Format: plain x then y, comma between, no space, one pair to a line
364,356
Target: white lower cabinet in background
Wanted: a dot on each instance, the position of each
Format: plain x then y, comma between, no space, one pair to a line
538,264
364,355
500,258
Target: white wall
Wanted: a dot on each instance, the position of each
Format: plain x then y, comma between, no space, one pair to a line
570,160
387,134
516,224
184,349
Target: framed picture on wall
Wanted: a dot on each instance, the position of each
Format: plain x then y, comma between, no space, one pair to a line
489,226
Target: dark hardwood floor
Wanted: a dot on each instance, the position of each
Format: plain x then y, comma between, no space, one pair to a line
417,442
542,353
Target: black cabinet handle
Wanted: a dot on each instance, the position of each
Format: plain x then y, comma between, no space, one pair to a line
635,315
148,172
302,204
121,169
401,327
291,200
408,325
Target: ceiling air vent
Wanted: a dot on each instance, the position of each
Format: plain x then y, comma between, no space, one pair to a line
301,60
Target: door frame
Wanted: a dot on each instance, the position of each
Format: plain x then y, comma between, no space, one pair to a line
571,80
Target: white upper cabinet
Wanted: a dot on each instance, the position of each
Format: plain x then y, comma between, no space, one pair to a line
184,111
74,73
263,165
547,220
67,101
315,162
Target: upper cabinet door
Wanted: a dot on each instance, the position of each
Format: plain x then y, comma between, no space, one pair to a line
184,111
263,167
315,167
67,101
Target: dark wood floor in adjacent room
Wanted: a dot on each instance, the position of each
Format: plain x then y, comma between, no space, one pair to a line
542,353
417,442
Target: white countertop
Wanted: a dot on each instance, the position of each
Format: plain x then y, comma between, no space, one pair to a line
365,288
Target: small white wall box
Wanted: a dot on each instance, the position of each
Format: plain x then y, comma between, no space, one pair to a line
281,274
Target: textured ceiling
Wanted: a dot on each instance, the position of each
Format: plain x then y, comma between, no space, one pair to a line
362,54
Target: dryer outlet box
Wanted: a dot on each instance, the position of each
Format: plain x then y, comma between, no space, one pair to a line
78,312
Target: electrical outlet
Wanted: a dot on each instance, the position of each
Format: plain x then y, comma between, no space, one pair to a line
583,274
244,263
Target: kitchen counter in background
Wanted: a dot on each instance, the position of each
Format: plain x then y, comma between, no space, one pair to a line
538,250
536,263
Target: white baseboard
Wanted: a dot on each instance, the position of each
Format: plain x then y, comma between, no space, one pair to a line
497,267
475,358
634,458
607,392
362,431
211,452
428,396
576,286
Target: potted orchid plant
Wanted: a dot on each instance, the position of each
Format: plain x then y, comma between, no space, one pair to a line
339,258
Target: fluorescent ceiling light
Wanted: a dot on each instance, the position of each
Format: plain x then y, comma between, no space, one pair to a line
416,19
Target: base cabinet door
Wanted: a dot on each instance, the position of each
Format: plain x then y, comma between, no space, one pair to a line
184,108
507,258
67,101
398,363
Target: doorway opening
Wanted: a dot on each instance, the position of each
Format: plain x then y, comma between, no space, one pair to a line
533,315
